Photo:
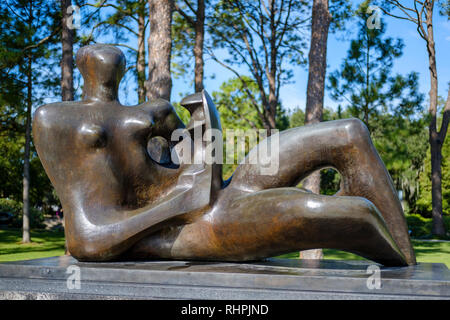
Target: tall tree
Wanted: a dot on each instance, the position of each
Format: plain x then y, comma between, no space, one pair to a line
316,88
159,83
424,203
13,117
421,14
317,58
67,92
195,17
266,38
364,81
320,25
37,25
140,68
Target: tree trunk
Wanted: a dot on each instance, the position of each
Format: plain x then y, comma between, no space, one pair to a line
198,48
26,238
438,227
316,88
67,93
141,52
317,61
159,82
271,75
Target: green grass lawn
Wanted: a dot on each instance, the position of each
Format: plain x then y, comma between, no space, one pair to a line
50,243
425,252
44,244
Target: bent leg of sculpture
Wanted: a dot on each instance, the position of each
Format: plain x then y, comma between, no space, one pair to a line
276,221
252,220
344,145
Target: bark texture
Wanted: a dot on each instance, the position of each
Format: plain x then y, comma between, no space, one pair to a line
141,51
159,82
67,92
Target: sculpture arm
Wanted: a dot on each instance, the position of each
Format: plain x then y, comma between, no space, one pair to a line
107,238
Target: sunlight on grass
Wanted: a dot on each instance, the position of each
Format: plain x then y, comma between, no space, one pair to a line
44,244
426,251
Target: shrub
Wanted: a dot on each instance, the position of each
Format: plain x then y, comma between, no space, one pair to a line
420,227
16,208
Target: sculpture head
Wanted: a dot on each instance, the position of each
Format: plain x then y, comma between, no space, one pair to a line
102,67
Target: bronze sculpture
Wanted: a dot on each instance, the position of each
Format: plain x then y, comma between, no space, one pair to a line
124,198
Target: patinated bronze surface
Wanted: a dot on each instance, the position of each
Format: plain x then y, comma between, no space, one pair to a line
125,198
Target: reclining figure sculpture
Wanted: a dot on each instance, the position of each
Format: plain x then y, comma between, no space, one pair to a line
125,199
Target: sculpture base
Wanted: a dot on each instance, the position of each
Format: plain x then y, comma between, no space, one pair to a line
277,279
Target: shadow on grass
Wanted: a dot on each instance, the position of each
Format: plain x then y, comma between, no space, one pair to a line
42,241
15,235
328,254
28,249
423,248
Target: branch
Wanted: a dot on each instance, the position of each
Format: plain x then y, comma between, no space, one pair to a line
123,45
257,70
103,5
42,41
285,24
189,5
17,15
125,27
246,88
398,17
185,15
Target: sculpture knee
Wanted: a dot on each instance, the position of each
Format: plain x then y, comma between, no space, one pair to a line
357,130
371,215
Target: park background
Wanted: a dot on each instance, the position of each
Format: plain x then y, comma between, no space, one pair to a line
389,92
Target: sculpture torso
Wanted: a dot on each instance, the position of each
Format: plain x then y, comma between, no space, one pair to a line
101,152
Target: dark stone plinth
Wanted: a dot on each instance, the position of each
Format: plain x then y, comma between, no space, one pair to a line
270,279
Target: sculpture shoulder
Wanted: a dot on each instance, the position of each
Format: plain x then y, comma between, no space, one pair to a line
46,112
158,107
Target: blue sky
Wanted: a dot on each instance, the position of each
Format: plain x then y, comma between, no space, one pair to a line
414,58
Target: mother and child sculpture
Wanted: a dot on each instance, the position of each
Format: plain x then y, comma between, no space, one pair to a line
124,198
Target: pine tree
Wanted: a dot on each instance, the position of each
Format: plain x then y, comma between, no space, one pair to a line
34,27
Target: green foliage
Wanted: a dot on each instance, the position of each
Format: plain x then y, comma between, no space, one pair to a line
23,39
420,227
402,143
423,204
297,118
236,111
341,11
16,208
330,181
234,104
